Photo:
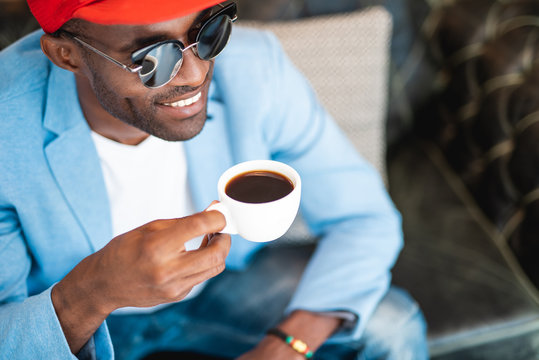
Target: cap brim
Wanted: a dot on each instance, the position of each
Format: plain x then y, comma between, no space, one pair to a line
140,11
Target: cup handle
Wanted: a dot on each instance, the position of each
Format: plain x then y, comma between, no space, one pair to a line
230,227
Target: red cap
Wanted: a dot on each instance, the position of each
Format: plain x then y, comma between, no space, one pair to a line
52,14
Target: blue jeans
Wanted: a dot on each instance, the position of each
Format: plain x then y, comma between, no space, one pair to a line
234,310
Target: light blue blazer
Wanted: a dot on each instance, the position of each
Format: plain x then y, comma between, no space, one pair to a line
54,208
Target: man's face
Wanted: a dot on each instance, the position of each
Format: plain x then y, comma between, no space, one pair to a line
176,111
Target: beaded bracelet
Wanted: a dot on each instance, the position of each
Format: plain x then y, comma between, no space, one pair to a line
294,343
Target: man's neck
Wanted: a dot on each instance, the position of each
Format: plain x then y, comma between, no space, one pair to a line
103,122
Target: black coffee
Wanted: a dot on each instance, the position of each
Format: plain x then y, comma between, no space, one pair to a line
258,186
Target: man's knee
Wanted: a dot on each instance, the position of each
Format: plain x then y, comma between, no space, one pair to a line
397,329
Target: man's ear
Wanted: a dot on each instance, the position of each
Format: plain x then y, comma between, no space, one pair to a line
62,52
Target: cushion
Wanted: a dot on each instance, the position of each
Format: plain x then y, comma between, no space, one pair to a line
345,57
485,116
477,305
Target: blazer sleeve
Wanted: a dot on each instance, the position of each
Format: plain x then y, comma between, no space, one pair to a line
344,203
29,327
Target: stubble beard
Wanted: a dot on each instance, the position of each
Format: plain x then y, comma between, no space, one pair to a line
145,117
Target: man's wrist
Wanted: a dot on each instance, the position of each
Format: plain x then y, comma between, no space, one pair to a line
309,327
77,307
296,344
279,349
80,292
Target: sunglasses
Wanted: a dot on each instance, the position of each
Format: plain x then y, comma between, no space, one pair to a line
157,64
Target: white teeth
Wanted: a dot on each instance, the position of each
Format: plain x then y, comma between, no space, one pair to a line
185,102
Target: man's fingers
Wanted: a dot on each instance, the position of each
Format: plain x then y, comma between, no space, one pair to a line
217,244
204,258
196,266
205,222
204,242
156,225
197,278
178,288
187,228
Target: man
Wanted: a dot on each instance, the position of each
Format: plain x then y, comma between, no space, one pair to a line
119,115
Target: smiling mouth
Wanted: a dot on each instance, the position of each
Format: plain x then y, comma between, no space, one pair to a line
185,102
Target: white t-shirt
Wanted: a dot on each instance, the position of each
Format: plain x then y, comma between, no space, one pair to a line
145,182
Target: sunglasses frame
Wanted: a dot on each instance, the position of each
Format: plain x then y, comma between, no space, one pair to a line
138,55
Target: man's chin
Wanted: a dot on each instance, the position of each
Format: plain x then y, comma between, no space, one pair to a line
180,130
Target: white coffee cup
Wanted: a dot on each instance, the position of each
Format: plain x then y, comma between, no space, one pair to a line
259,222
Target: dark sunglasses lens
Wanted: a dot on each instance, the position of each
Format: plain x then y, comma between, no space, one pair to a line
213,38
161,64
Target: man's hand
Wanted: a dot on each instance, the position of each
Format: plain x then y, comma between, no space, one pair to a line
144,267
312,328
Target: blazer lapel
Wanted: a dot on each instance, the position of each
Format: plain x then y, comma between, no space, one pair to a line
73,159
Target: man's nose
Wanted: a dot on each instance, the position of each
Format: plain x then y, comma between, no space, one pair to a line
192,72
